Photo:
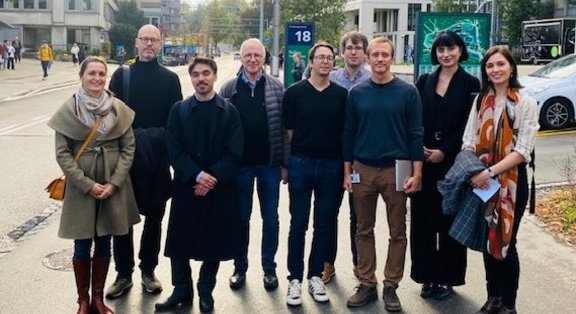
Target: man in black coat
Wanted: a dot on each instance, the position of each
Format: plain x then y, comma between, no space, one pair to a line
151,91
205,142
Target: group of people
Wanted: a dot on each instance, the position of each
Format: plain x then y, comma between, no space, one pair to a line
78,53
10,53
254,132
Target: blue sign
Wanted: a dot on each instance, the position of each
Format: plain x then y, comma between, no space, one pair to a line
299,40
300,34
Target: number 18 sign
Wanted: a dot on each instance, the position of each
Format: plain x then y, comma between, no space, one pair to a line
299,40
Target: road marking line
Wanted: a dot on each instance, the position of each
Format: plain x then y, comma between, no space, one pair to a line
24,126
8,127
38,118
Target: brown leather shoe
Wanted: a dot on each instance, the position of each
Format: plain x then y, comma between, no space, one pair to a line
391,300
328,272
363,295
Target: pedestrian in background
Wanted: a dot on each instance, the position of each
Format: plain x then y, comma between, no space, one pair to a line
17,44
121,55
439,261
11,52
82,53
46,56
315,168
383,124
152,90
501,130
204,138
74,51
99,200
258,98
298,67
353,46
4,54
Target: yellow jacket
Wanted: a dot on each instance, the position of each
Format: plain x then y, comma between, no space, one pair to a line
45,53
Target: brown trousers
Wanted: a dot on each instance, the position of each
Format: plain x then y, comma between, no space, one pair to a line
374,182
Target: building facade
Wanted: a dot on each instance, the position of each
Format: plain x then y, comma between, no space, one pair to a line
165,14
59,22
395,19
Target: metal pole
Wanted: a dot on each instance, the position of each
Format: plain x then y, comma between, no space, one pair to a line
493,24
261,33
275,37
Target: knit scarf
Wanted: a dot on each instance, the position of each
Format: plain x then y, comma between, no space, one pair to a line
88,108
490,149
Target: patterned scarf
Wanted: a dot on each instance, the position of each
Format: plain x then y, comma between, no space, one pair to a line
88,108
491,149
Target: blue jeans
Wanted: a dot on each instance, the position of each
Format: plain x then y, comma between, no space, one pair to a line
82,247
323,177
268,188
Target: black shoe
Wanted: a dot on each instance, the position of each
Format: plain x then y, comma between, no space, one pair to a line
270,280
237,280
175,301
442,292
492,306
206,304
427,290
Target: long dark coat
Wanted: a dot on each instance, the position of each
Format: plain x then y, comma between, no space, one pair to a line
444,123
204,228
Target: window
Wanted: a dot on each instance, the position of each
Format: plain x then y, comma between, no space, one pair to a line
9,4
413,9
28,4
81,5
42,4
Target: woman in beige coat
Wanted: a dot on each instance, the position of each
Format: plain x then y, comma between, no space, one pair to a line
99,200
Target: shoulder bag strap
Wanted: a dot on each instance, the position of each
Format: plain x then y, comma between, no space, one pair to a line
126,84
88,138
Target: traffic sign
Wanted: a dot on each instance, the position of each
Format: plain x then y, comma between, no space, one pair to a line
299,40
101,37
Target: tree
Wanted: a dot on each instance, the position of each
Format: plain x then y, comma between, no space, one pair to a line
513,13
449,6
327,15
127,22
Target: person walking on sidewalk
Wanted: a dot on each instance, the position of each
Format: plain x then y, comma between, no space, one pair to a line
11,52
439,261
315,167
46,56
258,98
501,130
17,44
74,51
383,124
204,138
152,90
99,200
353,48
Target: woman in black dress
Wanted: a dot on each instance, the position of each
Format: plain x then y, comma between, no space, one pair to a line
438,261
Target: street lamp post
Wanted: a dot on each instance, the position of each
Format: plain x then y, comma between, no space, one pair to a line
275,38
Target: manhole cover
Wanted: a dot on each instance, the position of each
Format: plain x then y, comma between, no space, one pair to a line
60,260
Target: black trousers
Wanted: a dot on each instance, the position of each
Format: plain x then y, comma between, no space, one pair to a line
502,276
182,276
149,245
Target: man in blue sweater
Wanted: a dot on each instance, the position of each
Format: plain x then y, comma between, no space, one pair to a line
383,124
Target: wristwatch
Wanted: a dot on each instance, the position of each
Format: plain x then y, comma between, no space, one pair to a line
490,172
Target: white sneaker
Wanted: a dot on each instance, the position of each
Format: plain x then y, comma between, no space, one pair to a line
294,295
317,289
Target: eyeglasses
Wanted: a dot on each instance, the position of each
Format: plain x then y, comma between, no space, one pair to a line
250,56
146,40
323,58
352,48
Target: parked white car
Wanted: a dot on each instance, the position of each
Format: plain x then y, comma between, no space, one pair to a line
553,86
